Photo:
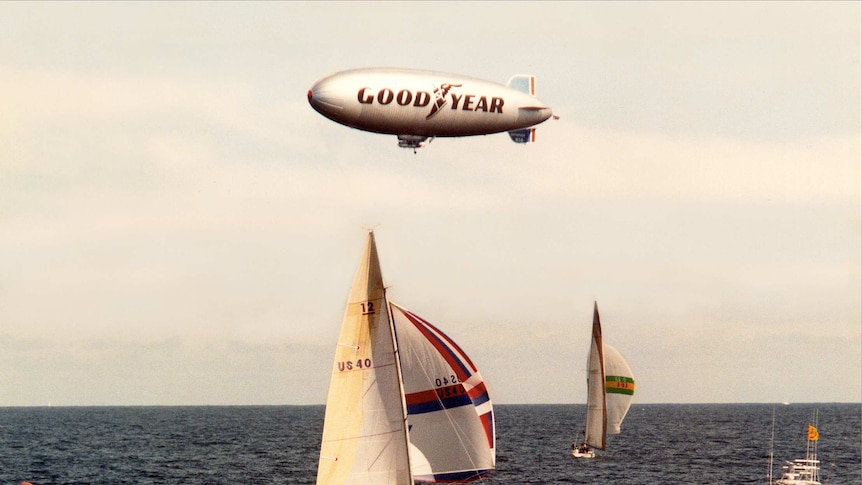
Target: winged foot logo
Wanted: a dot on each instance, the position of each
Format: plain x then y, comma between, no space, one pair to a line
442,95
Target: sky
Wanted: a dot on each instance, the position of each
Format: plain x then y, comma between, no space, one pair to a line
179,227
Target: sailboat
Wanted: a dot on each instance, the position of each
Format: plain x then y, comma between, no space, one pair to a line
610,390
803,471
405,402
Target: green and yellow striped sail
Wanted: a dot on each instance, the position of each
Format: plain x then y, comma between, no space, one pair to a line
620,385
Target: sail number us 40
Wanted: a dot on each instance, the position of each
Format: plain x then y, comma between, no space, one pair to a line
450,391
354,364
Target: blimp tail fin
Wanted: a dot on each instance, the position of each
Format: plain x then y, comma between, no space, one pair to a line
527,135
523,82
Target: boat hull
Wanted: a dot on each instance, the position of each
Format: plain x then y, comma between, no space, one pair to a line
583,454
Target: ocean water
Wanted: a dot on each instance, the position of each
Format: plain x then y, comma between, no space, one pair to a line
660,443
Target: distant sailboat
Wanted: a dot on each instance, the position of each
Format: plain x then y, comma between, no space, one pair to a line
610,390
802,471
405,402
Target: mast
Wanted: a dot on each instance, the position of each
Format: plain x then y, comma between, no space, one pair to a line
397,354
771,447
811,451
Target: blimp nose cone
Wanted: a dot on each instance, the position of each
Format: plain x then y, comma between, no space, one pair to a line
336,100
327,102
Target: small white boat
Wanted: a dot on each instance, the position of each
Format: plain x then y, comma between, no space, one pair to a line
610,390
405,402
803,471
582,451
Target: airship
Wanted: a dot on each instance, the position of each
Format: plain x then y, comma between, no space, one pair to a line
418,105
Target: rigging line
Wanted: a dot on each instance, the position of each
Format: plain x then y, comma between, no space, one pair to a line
360,436
771,445
369,435
373,384
383,448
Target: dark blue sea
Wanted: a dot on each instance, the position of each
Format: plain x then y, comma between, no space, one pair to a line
661,443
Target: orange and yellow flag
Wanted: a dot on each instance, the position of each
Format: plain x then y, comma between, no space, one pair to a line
813,435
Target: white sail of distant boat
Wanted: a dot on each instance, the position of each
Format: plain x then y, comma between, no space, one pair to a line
610,390
405,403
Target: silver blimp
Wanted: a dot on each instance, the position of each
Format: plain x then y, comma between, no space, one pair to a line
417,105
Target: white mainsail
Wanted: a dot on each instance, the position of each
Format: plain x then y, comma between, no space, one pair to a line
610,388
595,431
381,386
364,432
449,412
